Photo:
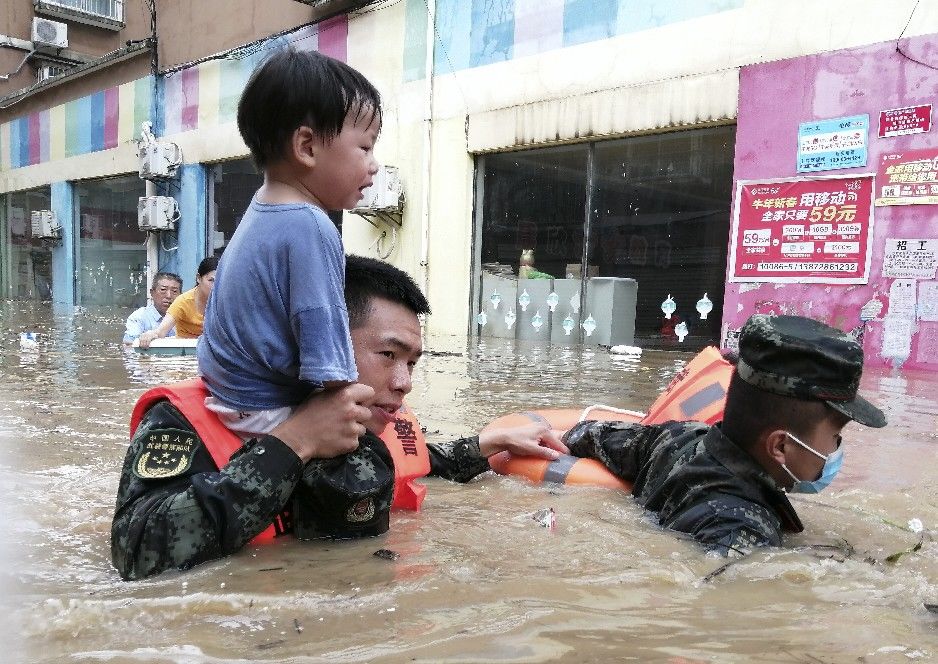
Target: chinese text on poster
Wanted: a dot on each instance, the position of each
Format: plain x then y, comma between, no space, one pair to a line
909,177
825,145
803,230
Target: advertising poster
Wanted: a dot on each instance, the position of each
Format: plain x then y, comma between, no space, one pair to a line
807,230
826,145
910,258
903,121
909,177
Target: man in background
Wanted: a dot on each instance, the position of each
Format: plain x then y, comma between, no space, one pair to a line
166,288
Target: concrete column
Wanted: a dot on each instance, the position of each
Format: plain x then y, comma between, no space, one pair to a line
64,275
191,230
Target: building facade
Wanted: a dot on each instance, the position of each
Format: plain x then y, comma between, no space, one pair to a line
573,170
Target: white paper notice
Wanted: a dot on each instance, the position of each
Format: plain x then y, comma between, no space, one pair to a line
910,259
897,337
902,298
928,301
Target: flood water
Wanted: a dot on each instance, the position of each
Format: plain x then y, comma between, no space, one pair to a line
477,578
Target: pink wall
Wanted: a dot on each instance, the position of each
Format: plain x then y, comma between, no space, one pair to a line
773,99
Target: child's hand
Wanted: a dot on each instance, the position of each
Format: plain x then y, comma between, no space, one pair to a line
529,440
328,424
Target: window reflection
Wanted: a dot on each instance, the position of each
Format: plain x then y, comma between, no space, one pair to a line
234,184
111,252
28,258
534,203
661,217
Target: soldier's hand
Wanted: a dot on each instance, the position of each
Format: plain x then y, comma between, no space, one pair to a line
530,440
329,423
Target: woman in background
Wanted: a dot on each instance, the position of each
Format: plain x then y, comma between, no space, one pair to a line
187,311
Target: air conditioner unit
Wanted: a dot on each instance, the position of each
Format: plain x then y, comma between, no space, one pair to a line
159,160
49,34
44,224
157,213
50,71
386,194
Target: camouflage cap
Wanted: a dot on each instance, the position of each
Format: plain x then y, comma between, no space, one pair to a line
348,496
804,358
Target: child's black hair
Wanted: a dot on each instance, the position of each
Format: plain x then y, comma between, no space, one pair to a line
291,89
367,278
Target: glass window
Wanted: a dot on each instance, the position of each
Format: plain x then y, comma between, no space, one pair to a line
112,254
658,227
234,184
28,260
661,217
534,203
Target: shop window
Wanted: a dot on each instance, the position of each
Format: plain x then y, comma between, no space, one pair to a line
111,248
661,217
657,226
234,184
27,260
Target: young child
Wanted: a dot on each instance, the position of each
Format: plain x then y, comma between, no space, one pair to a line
276,327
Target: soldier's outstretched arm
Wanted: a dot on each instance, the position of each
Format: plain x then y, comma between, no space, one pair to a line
457,460
622,447
176,509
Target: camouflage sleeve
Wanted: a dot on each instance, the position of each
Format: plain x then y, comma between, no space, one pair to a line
193,512
728,525
458,460
623,447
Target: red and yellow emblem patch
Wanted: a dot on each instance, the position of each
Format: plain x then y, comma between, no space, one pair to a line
165,453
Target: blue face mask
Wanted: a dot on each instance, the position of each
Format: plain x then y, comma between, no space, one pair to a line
832,463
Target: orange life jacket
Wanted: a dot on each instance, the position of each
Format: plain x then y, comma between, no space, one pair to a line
403,438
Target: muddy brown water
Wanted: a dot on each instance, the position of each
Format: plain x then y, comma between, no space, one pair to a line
477,578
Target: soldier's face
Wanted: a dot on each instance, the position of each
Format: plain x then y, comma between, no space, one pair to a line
387,347
824,439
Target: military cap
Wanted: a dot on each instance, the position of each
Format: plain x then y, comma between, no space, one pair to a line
348,496
804,358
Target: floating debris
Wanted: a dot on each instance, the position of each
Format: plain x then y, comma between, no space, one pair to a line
625,350
546,518
912,549
386,554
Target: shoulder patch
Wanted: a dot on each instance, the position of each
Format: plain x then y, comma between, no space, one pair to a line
165,453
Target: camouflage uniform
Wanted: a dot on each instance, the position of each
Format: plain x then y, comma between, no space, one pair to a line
699,481
696,479
200,513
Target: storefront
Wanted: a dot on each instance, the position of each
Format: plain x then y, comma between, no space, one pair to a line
26,260
652,212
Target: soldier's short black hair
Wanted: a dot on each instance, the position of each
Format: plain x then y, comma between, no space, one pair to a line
172,276
750,411
367,278
292,89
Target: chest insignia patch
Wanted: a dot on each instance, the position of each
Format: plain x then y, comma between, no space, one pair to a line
165,453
